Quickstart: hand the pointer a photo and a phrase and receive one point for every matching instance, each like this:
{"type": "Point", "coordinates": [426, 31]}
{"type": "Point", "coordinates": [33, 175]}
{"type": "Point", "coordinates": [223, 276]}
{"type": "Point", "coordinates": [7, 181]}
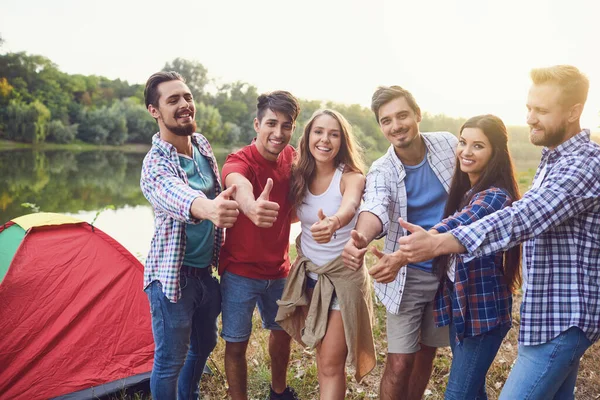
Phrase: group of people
{"type": "Point", "coordinates": [453, 221]}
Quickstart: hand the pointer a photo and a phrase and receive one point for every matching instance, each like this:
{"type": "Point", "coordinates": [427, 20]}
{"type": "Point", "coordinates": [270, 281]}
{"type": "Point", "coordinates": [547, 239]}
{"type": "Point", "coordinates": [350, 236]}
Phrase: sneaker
{"type": "Point", "coordinates": [287, 394]}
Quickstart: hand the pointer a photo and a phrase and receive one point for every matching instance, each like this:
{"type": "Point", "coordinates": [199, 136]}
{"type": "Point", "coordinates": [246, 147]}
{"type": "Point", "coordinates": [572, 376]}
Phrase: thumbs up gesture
{"type": "Point", "coordinates": [224, 210]}
{"type": "Point", "coordinates": [263, 212]}
{"type": "Point", "coordinates": [354, 250]}
{"type": "Point", "coordinates": [387, 267]}
{"type": "Point", "coordinates": [325, 227]}
{"type": "Point", "coordinates": [419, 245]}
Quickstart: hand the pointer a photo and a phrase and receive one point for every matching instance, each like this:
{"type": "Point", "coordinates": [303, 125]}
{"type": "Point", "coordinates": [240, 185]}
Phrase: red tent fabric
{"type": "Point", "coordinates": [73, 315]}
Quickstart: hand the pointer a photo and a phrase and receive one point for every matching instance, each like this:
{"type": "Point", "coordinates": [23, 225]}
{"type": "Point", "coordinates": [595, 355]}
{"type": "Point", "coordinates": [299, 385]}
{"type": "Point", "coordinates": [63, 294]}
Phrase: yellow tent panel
{"type": "Point", "coordinates": [42, 219]}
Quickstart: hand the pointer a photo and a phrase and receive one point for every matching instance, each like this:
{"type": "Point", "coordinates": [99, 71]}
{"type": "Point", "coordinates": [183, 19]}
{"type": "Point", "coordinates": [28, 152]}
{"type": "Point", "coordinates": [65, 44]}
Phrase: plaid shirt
{"type": "Point", "coordinates": [559, 221]}
{"type": "Point", "coordinates": [385, 197]}
{"type": "Point", "coordinates": [482, 299]}
{"type": "Point", "coordinates": [165, 185]}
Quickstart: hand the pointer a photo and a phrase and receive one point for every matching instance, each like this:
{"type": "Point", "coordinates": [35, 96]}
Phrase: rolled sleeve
{"type": "Point", "coordinates": [167, 192]}
{"type": "Point", "coordinates": [377, 197]}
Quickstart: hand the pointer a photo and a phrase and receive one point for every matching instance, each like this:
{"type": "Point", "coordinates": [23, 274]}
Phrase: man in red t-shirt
{"type": "Point", "coordinates": [254, 259]}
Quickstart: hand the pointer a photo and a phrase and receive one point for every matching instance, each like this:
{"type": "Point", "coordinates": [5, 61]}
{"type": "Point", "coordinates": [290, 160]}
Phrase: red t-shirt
{"type": "Point", "coordinates": [250, 251]}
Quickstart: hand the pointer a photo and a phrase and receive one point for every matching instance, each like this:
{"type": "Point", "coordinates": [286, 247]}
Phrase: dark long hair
{"type": "Point", "coordinates": [304, 166]}
{"type": "Point", "coordinates": [498, 172]}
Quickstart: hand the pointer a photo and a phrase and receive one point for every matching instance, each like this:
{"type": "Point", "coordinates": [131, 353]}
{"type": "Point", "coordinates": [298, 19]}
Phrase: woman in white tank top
{"type": "Point", "coordinates": [327, 186]}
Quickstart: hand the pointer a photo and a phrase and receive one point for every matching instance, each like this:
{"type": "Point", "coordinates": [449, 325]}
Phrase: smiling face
{"type": "Point", "coordinates": [546, 117]}
{"type": "Point", "coordinates": [474, 152]}
{"type": "Point", "coordinates": [273, 133]}
{"type": "Point", "coordinates": [175, 111]}
{"type": "Point", "coordinates": [399, 123]}
{"type": "Point", "coordinates": [325, 139]}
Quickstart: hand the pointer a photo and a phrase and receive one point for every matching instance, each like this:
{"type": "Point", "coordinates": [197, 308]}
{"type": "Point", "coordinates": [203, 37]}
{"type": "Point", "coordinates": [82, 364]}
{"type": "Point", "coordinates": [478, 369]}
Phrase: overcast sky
{"type": "Point", "coordinates": [461, 58]}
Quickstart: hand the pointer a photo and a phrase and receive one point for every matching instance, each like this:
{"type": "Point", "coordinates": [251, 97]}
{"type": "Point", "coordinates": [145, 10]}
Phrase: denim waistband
{"type": "Point", "coordinates": [197, 272]}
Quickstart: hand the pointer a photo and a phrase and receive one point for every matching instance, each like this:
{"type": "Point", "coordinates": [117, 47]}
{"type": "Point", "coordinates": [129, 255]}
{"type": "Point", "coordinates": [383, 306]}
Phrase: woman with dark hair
{"type": "Point", "coordinates": [475, 295]}
{"type": "Point", "coordinates": [324, 304]}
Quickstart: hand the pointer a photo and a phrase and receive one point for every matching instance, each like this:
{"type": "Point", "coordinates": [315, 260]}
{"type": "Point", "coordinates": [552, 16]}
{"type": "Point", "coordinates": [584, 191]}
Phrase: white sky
{"type": "Point", "coordinates": [458, 57]}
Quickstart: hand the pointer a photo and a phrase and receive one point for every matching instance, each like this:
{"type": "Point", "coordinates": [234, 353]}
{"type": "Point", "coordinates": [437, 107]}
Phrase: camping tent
{"type": "Point", "coordinates": [74, 321]}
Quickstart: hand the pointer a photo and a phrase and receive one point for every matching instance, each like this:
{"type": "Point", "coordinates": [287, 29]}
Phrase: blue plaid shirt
{"type": "Point", "coordinates": [559, 221]}
{"type": "Point", "coordinates": [165, 185]}
{"type": "Point", "coordinates": [482, 299]}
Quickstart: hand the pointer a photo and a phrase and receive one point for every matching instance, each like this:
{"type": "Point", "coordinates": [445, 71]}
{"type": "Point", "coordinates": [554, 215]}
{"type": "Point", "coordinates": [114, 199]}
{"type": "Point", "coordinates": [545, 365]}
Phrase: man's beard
{"type": "Point", "coordinates": [550, 138]}
{"type": "Point", "coordinates": [183, 130]}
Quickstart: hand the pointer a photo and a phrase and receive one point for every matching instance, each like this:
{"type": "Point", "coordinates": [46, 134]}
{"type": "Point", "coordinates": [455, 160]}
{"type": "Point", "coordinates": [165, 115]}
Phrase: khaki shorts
{"type": "Point", "coordinates": [415, 323]}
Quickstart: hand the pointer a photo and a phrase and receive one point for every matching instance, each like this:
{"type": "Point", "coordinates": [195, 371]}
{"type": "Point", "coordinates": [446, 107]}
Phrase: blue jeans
{"type": "Point", "coordinates": [471, 360]}
{"type": "Point", "coordinates": [185, 333]}
{"type": "Point", "coordinates": [549, 370]}
{"type": "Point", "coordinates": [240, 297]}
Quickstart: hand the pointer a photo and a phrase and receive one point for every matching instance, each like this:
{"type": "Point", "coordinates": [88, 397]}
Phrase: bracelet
{"type": "Point", "coordinates": [339, 221]}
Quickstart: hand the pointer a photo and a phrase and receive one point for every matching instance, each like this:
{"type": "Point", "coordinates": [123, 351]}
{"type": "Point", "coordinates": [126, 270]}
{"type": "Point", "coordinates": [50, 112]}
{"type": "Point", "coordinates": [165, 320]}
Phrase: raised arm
{"type": "Point", "coordinates": [168, 194]}
{"type": "Point", "coordinates": [568, 190]}
{"type": "Point", "coordinates": [260, 210]}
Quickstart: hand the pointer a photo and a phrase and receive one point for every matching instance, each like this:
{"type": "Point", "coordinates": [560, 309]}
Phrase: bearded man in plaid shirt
{"type": "Point", "coordinates": [558, 221]}
{"type": "Point", "coordinates": [181, 180]}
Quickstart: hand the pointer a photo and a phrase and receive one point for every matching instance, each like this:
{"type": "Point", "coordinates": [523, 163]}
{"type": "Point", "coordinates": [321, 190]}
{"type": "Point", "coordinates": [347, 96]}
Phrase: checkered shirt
{"type": "Point", "coordinates": [559, 221]}
{"type": "Point", "coordinates": [165, 185]}
{"type": "Point", "coordinates": [482, 299]}
{"type": "Point", "coordinates": [385, 197]}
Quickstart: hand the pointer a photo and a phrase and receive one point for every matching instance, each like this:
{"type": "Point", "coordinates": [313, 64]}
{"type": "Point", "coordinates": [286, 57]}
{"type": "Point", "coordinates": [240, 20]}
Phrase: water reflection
{"type": "Point", "coordinates": [68, 182]}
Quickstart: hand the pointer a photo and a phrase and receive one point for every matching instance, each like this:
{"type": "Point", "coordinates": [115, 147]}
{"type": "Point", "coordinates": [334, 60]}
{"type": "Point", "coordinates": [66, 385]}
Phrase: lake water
{"type": "Point", "coordinates": [80, 184]}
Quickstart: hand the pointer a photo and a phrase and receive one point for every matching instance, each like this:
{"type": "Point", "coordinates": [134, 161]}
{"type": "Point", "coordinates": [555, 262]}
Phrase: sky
{"type": "Point", "coordinates": [458, 57]}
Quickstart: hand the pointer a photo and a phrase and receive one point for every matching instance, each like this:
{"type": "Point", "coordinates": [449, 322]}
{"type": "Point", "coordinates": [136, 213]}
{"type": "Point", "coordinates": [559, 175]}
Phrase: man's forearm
{"type": "Point", "coordinates": [446, 243]}
{"type": "Point", "coordinates": [369, 225]}
{"type": "Point", "coordinates": [244, 194]}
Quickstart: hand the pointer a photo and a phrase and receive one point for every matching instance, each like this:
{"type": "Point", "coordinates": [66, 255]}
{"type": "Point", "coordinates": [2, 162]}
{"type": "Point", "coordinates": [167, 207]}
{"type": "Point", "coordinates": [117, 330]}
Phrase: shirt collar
{"type": "Point", "coordinates": [569, 146]}
{"type": "Point", "coordinates": [168, 148]}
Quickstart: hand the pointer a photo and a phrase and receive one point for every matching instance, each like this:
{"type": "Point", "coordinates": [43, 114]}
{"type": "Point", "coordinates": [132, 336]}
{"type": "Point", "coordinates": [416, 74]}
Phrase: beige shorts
{"type": "Point", "coordinates": [415, 323]}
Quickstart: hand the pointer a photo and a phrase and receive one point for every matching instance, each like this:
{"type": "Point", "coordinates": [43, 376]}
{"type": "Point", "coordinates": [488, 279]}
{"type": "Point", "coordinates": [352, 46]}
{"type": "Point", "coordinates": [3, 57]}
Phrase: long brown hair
{"type": "Point", "coordinates": [498, 172]}
{"type": "Point", "coordinates": [304, 166]}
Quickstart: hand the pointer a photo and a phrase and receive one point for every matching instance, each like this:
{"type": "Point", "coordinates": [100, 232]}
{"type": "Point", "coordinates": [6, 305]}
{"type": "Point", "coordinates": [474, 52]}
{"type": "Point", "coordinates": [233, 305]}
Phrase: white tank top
{"type": "Point", "coordinates": [329, 201]}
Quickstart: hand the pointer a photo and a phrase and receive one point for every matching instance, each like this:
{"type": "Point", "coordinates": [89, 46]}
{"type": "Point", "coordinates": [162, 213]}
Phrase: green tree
{"type": "Point", "coordinates": [140, 124]}
{"type": "Point", "coordinates": [116, 124]}
{"type": "Point", "coordinates": [92, 128]}
{"type": "Point", "coordinates": [26, 122]}
{"type": "Point", "coordinates": [60, 133]}
{"type": "Point", "coordinates": [208, 120]}
{"type": "Point", "coordinates": [237, 104]}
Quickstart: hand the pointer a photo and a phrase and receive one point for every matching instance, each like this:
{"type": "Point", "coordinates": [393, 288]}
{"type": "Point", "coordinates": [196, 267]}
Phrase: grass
{"type": "Point", "coordinates": [302, 373]}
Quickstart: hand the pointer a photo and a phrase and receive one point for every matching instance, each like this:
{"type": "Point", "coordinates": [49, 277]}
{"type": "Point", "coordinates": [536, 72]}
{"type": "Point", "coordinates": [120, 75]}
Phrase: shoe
{"type": "Point", "coordinates": [287, 394]}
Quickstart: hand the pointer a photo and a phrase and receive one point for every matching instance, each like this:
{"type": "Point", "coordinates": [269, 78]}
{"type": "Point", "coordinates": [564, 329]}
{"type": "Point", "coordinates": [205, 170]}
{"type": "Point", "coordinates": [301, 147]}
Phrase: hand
{"type": "Point", "coordinates": [387, 267]}
{"type": "Point", "coordinates": [224, 211]}
{"type": "Point", "coordinates": [420, 245]}
{"type": "Point", "coordinates": [263, 213]}
{"type": "Point", "coordinates": [324, 228]}
{"type": "Point", "coordinates": [354, 251]}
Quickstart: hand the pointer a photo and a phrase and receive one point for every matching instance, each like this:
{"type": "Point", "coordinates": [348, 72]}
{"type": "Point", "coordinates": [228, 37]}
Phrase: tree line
{"type": "Point", "coordinates": [40, 103]}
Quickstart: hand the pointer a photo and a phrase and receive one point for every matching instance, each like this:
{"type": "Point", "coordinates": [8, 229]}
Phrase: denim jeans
{"type": "Point", "coordinates": [471, 360]}
{"type": "Point", "coordinates": [240, 297]}
{"type": "Point", "coordinates": [549, 370]}
{"type": "Point", "coordinates": [185, 333]}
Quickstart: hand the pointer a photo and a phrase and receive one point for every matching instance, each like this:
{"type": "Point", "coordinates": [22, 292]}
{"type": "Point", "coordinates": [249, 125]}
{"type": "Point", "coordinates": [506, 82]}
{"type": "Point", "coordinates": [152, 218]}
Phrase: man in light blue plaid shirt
{"type": "Point", "coordinates": [410, 181]}
{"type": "Point", "coordinates": [181, 180]}
{"type": "Point", "coordinates": [558, 221]}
